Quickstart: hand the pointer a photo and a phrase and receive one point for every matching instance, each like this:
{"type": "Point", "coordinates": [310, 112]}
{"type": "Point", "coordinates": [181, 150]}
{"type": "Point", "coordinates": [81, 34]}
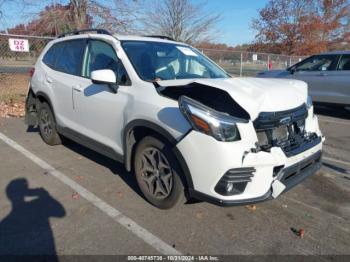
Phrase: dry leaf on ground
{"type": "Point", "coordinates": [251, 207]}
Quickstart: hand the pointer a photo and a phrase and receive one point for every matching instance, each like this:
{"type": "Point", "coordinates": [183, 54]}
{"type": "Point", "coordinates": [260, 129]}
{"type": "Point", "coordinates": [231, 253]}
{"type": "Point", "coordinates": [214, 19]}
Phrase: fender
{"type": "Point", "coordinates": [46, 97]}
{"type": "Point", "coordinates": [32, 106]}
{"type": "Point", "coordinates": [129, 141]}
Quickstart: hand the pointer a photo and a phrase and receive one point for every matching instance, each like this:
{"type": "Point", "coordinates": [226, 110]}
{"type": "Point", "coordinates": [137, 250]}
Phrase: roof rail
{"type": "Point", "coordinates": [160, 36]}
{"type": "Point", "coordinates": [78, 32]}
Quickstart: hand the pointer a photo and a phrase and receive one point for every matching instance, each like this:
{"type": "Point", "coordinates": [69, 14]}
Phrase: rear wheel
{"type": "Point", "coordinates": [158, 174]}
{"type": "Point", "coordinates": [47, 125]}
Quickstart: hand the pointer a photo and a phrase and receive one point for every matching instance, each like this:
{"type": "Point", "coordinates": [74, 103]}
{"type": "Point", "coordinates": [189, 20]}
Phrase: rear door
{"type": "Point", "coordinates": [64, 75]}
{"type": "Point", "coordinates": [317, 72]}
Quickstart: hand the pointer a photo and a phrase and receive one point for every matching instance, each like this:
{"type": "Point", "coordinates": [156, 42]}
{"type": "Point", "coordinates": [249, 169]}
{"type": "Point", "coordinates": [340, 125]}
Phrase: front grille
{"type": "Point", "coordinates": [284, 129]}
{"type": "Point", "coordinates": [270, 120]}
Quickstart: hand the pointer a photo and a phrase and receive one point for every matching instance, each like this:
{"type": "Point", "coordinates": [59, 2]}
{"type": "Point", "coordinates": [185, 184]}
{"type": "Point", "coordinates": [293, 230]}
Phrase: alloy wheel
{"type": "Point", "coordinates": [156, 173]}
{"type": "Point", "coordinates": [46, 124]}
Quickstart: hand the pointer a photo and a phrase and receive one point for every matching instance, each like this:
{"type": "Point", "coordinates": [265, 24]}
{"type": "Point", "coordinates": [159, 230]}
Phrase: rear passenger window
{"type": "Point", "coordinates": [70, 59]}
{"type": "Point", "coordinates": [344, 63]}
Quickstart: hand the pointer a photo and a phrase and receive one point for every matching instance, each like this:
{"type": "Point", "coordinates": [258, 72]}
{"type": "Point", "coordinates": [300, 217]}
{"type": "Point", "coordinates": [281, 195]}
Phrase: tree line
{"type": "Point", "coordinates": [290, 27]}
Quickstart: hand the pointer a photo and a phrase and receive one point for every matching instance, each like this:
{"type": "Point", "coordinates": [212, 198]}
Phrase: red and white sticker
{"type": "Point", "coordinates": [19, 45]}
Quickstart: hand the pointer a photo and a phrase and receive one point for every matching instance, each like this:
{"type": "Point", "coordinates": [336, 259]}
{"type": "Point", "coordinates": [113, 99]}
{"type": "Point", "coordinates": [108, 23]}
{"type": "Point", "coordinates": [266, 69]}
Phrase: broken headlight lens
{"type": "Point", "coordinates": [204, 119]}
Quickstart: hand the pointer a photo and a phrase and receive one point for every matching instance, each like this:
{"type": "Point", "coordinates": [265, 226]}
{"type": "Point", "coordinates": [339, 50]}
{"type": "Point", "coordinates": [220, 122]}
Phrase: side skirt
{"type": "Point", "coordinates": [90, 143]}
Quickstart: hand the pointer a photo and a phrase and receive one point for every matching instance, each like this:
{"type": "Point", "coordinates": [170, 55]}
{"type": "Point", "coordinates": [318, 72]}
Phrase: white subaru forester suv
{"type": "Point", "coordinates": [177, 121]}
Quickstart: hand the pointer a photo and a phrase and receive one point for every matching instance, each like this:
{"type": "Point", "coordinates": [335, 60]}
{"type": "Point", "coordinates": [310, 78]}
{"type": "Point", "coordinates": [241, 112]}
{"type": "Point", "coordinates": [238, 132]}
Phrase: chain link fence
{"type": "Point", "coordinates": [241, 63]}
{"type": "Point", "coordinates": [15, 66]}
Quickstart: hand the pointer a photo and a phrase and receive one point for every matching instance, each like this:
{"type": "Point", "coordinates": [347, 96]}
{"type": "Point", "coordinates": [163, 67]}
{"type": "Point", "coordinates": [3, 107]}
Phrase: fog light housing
{"type": "Point", "coordinates": [229, 187]}
{"type": "Point", "coordinates": [234, 181]}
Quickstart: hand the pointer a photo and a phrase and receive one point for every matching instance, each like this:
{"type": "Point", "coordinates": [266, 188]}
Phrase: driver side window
{"type": "Point", "coordinates": [100, 55]}
{"type": "Point", "coordinates": [317, 63]}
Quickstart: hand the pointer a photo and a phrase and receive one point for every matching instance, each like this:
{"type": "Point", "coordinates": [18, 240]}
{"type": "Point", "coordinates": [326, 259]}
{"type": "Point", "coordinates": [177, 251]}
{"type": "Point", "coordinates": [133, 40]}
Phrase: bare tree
{"type": "Point", "coordinates": [181, 20]}
{"type": "Point", "coordinates": [80, 13]}
{"type": "Point", "coordinates": [119, 16]}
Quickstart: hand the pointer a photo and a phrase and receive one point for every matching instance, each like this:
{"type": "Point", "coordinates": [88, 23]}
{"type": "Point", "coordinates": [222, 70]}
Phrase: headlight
{"type": "Point", "coordinates": [204, 119]}
{"type": "Point", "coordinates": [309, 102]}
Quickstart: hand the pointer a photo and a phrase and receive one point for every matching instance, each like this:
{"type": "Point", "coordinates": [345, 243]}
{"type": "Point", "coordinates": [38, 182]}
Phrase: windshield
{"type": "Point", "coordinates": [164, 61]}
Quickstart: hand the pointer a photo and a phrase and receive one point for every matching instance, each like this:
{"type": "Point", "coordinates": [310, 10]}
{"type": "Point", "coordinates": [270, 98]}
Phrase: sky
{"type": "Point", "coordinates": [236, 18]}
{"type": "Point", "coordinates": [234, 25]}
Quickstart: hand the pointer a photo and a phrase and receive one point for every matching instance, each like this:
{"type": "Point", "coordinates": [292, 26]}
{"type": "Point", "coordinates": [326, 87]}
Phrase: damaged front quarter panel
{"type": "Point", "coordinates": [212, 97]}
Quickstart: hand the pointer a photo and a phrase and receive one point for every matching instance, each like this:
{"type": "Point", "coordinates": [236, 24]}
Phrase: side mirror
{"type": "Point", "coordinates": [105, 76]}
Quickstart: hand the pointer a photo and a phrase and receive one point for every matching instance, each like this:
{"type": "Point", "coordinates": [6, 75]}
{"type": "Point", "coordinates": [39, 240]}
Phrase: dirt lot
{"type": "Point", "coordinates": [13, 90]}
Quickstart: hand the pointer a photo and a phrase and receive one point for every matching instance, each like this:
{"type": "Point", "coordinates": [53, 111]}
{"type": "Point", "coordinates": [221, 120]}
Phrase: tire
{"type": "Point", "coordinates": [47, 125]}
{"type": "Point", "coordinates": [158, 173]}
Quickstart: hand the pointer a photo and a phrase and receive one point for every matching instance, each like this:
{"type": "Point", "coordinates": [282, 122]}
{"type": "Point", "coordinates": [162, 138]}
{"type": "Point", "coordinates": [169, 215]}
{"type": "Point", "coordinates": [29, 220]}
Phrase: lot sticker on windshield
{"type": "Point", "coordinates": [186, 51]}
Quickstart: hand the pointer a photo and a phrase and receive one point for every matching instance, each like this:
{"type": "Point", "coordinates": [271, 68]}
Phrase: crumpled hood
{"type": "Point", "coordinates": [256, 95]}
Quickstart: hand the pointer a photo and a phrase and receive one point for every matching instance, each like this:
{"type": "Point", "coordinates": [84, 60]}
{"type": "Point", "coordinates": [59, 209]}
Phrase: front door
{"type": "Point", "coordinates": [99, 112]}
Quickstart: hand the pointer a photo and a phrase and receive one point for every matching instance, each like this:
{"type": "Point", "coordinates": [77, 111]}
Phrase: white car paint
{"type": "Point", "coordinates": [89, 110]}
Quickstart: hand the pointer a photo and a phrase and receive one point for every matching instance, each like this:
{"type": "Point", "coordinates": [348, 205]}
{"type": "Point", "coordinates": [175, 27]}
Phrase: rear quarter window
{"type": "Point", "coordinates": [51, 55]}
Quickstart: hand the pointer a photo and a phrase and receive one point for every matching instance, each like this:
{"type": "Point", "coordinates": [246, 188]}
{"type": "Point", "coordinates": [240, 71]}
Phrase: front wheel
{"type": "Point", "coordinates": [158, 174]}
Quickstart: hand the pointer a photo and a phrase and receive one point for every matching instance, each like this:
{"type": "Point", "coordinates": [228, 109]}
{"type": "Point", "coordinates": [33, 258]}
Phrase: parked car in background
{"type": "Point", "coordinates": [327, 75]}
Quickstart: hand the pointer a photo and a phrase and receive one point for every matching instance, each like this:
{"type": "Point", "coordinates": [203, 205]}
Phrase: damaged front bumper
{"type": "Point", "coordinates": [265, 174]}
{"type": "Point", "coordinates": [290, 177]}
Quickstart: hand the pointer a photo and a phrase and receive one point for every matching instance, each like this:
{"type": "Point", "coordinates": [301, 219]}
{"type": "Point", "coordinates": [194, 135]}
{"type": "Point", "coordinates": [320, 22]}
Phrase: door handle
{"type": "Point", "coordinates": [77, 88]}
{"type": "Point", "coordinates": [323, 74]}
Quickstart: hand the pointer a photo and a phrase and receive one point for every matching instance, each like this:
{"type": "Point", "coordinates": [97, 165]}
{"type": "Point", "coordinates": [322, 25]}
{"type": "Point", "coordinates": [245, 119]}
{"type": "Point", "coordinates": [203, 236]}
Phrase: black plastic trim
{"type": "Point", "coordinates": [216, 201]}
{"type": "Point", "coordinates": [161, 37]}
{"type": "Point", "coordinates": [46, 97]}
{"type": "Point", "coordinates": [78, 32]}
{"type": "Point", "coordinates": [270, 120]}
{"type": "Point", "coordinates": [90, 143]}
{"type": "Point", "coordinates": [301, 171]}
{"type": "Point", "coordinates": [239, 177]}
{"type": "Point", "coordinates": [304, 147]}
{"type": "Point", "coordinates": [160, 130]}
{"type": "Point", "coordinates": [31, 114]}
{"type": "Point", "coordinates": [148, 124]}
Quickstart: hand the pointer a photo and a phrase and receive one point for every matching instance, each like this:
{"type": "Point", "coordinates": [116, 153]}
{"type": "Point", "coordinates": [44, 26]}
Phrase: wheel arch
{"type": "Point", "coordinates": [42, 97]}
{"type": "Point", "coordinates": [139, 128]}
